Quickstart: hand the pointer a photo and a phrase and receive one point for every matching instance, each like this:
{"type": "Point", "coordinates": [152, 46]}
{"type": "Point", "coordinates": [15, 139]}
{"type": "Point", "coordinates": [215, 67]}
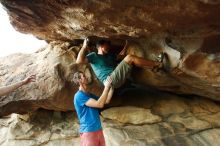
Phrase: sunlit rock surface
{"type": "Point", "coordinates": [54, 67]}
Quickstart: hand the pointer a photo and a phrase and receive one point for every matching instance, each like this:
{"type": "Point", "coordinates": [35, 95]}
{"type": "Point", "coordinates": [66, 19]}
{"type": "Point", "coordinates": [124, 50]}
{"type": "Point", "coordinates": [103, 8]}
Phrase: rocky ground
{"type": "Point", "coordinates": [147, 118]}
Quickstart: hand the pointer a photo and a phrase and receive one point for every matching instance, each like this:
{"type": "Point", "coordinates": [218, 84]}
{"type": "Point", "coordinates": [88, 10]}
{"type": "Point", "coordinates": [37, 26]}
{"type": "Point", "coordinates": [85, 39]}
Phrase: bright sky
{"type": "Point", "coordinates": [12, 41]}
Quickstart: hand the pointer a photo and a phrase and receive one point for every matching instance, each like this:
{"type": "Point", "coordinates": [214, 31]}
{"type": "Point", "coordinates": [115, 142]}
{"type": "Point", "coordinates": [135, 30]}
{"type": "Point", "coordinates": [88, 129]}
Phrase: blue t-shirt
{"type": "Point", "coordinates": [102, 65]}
{"type": "Point", "coordinates": [88, 116]}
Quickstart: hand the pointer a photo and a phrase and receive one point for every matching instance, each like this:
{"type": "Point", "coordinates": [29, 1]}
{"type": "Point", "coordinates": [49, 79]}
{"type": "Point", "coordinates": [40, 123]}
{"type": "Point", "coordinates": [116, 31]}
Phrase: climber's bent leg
{"type": "Point", "coordinates": [120, 74]}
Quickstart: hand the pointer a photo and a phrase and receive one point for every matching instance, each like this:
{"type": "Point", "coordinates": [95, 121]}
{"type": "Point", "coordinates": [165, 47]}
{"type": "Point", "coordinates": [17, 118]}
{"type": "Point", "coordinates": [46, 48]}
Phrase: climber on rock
{"type": "Point", "coordinates": [8, 89]}
{"type": "Point", "coordinates": [104, 63]}
{"type": "Point", "coordinates": [87, 105]}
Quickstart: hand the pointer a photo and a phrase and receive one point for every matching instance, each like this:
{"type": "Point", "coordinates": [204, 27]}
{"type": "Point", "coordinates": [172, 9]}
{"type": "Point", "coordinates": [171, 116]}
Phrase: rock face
{"type": "Point", "coordinates": [54, 67]}
{"type": "Point", "coordinates": [188, 31]}
{"type": "Point", "coordinates": [68, 20]}
{"type": "Point", "coordinates": [132, 115]}
{"type": "Point", "coordinates": [55, 64]}
{"type": "Point", "coordinates": [195, 122]}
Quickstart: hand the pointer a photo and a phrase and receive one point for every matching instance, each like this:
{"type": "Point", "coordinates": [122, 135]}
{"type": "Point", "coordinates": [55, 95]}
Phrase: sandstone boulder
{"type": "Point", "coordinates": [132, 115]}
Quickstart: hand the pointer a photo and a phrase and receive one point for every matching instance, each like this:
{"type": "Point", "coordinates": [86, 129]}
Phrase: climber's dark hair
{"type": "Point", "coordinates": [102, 42]}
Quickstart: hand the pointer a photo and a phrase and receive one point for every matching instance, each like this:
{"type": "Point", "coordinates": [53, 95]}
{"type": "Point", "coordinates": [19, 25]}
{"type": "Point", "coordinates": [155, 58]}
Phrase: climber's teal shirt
{"type": "Point", "coordinates": [102, 65]}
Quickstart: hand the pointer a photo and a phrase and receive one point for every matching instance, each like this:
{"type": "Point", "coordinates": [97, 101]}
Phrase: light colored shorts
{"type": "Point", "coordinates": [120, 74]}
{"type": "Point", "coordinates": [92, 138]}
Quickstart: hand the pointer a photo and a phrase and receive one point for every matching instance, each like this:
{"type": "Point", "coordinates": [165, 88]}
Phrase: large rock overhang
{"type": "Point", "coordinates": [188, 31]}
{"type": "Point", "coordinates": [74, 19]}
